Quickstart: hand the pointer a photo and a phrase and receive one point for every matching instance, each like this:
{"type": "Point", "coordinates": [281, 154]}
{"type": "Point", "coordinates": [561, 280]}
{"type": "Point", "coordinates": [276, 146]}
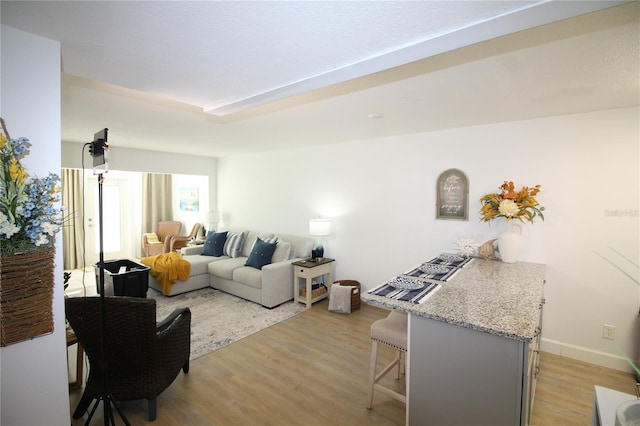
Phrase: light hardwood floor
{"type": "Point", "coordinates": [312, 369]}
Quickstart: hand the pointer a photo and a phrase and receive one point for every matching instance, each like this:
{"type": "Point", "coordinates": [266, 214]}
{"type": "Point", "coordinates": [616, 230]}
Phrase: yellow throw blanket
{"type": "Point", "coordinates": [167, 268]}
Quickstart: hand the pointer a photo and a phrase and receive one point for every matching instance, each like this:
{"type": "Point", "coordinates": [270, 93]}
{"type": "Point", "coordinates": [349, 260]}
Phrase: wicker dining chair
{"type": "Point", "coordinates": [142, 357]}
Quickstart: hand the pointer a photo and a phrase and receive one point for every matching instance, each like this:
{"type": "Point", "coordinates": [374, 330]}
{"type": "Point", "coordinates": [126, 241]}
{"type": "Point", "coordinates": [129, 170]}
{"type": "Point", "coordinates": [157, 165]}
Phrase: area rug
{"type": "Point", "coordinates": [219, 319]}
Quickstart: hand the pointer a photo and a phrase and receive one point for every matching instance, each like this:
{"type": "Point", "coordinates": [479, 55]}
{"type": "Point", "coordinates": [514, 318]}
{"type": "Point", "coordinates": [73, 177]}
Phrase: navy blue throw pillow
{"type": "Point", "coordinates": [214, 244]}
{"type": "Point", "coordinates": [261, 254]}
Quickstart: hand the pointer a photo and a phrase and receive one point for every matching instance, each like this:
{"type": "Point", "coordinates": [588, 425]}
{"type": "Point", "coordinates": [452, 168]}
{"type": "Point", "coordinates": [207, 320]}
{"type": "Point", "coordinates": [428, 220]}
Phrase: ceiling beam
{"type": "Point", "coordinates": [529, 16]}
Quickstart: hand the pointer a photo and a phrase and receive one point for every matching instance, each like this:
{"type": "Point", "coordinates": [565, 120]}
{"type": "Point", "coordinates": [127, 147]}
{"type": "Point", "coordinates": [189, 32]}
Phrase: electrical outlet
{"type": "Point", "coordinates": [608, 332]}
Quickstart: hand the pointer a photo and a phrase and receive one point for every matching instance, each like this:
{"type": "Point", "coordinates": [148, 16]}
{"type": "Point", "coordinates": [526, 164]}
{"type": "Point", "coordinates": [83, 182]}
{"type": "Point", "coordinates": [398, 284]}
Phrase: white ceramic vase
{"type": "Point", "coordinates": [509, 243]}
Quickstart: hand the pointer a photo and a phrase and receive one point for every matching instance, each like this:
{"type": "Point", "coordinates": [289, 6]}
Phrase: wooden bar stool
{"type": "Point", "coordinates": [390, 331]}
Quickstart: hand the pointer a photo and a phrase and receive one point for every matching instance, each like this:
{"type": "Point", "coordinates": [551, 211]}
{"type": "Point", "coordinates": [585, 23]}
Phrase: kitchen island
{"type": "Point", "coordinates": [473, 345]}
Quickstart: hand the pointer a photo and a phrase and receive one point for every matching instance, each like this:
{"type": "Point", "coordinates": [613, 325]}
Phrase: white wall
{"type": "Point", "coordinates": [34, 389]}
{"type": "Point", "coordinates": [380, 195]}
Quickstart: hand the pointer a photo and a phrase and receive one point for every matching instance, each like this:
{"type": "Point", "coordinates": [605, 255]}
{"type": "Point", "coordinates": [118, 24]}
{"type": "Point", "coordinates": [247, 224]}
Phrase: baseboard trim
{"type": "Point", "coordinates": [603, 359]}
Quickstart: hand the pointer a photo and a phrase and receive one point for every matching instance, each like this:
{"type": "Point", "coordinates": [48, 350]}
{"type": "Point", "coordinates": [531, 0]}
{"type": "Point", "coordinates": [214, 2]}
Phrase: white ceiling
{"type": "Point", "coordinates": [223, 78]}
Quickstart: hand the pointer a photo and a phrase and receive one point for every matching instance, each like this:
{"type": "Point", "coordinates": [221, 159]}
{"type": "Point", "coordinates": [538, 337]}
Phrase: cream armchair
{"type": "Point", "coordinates": [160, 241]}
{"type": "Point", "coordinates": [179, 241]}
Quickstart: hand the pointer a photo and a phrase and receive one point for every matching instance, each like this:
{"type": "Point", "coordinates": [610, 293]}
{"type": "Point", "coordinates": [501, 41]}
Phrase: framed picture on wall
{"type": "Point", "coordinates": [189, 199]}
{"type": "Point", "coordinates": [452, 193]}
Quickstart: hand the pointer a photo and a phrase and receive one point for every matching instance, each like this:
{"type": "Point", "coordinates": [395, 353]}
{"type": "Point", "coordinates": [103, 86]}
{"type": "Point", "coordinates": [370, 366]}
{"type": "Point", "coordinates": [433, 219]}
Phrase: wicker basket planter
{"type": "Point", "coordinates": [26, 295]}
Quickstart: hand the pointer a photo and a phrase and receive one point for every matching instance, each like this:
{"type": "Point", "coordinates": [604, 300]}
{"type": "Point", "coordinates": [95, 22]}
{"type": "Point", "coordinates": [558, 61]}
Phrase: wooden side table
{"type": "Point", "coordinates": [310, 269]}
{"type": "Point", "coordinates": [72, 340]}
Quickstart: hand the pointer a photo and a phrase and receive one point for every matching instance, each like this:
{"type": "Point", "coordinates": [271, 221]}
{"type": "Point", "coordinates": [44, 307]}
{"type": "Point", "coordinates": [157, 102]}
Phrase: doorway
{"type": "Point", "coordinates": [116, 218]}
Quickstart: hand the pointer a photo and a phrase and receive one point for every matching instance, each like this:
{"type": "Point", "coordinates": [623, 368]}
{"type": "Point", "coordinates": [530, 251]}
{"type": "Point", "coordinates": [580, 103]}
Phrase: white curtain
{"type": "Point", "coordinates": [73, 237]}
{"type": "Point", "coordinates": [157, 200]}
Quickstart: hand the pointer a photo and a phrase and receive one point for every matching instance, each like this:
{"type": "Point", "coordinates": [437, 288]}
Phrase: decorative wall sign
{"type": "Point", "coordinates": [452, 191]}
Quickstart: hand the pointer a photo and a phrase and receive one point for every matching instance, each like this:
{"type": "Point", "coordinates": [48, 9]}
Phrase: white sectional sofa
{"type": "Point", "coordinates": [270, 286]}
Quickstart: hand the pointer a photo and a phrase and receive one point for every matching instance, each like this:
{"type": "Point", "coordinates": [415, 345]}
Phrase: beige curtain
{"type": "Point", "coordinates": [157, 202]}
{"type": "Point", "coordinates": [73, 230]}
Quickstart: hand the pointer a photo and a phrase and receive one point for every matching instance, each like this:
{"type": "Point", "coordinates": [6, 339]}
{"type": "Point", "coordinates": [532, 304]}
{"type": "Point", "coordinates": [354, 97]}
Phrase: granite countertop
{"type": "Point", "coordinates": [488, 296]}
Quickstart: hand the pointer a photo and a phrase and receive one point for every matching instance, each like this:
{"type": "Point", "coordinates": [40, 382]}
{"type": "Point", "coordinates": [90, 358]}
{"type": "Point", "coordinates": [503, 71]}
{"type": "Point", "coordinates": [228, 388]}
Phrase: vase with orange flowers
{"type": "Point", "coordinates": [508, 203]}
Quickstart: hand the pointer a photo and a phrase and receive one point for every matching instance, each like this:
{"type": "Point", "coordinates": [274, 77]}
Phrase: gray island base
{"type": "Point", "coordinates": [473, 346]}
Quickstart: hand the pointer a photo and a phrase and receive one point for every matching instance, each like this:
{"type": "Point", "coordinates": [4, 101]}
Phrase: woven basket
{"type": "Point", "coordinates": [26, 295]}
{"type": "Point", "coordinates": [355, 293]}
{"type": "Point", "coordinates": [314, 293]}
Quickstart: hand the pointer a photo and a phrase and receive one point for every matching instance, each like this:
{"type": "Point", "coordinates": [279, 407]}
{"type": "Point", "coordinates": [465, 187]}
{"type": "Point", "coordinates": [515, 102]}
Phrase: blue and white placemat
{"type": "Point", "coordinates": [414, 296]}
{"type": "Point", "coordinates": [430, 271]}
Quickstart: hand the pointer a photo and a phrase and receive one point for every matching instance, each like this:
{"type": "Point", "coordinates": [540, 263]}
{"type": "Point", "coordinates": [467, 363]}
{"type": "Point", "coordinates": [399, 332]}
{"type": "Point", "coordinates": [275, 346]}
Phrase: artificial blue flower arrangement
{"type": "Point", "coordinates": [29, 217]}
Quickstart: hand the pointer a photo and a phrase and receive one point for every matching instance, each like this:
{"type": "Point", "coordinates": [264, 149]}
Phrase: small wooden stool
{"type": "Point", "coordinates": [390, 331]}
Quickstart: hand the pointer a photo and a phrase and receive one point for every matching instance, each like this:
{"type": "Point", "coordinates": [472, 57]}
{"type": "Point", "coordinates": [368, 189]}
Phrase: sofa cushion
{"type": "Point", "coordinates": [282, 252]}
{"type": "Point", "coordinates": [224, 268]}
{"type": "Point", "coordinates": [300, 246]}
{"type": "Point", "coordinates": [233, 245]}
{"type": "Point", "coordinates": [250, 240]}
{"type": "Point", "coordinates": [261, 254]}
{"type": "Point", "coordinates": [199, 264]}
{"type": "Point", "coordinates": [214, 244]}
{"type": "Point", "coordinates": [248, 275]}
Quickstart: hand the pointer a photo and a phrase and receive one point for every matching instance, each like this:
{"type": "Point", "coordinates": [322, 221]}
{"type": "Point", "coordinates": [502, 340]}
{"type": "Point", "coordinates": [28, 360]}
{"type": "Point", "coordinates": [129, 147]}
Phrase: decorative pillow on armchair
{"type": "Point", "coordinates": [261, 254]}
{"type": "Point", "coordinates": [214, 244]}
{"type": "Point", "coordinates": [151, 237]}
{"type": "Point", "coordinates": [233, 245]}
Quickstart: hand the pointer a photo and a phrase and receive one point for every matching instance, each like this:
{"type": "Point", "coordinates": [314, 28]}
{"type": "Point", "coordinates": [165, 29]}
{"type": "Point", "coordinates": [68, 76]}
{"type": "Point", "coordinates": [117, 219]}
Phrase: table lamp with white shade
{"type": "Point", "coordinates": [319, 228]}
{"type": "Point", "coordinates": [212, 218]}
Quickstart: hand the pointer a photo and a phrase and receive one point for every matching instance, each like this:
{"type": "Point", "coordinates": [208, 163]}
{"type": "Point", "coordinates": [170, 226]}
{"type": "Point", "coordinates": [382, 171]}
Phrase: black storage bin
{"type": "Point", "coordinates": [133, 281]}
